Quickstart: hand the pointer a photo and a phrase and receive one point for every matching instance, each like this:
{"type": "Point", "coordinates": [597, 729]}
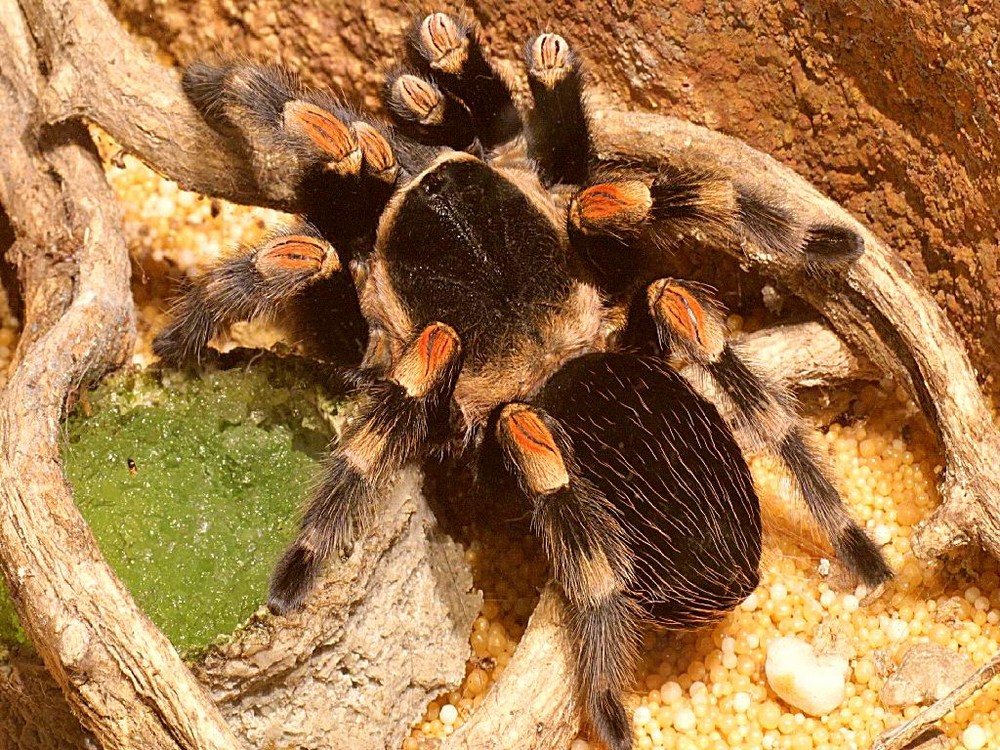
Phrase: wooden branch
{"type": "Point", "coordinates": [384, 634]}
{"type": "Point", "coordinates": [99, 74]}
{"type": "Point", "coordinates": [532, 706]}
{"type": "Point", "coordinates": [899, 738]}
{"type": "Point", "coordinates": [877, 306]}
{"type": "Point", "coordinates": [123, 679]}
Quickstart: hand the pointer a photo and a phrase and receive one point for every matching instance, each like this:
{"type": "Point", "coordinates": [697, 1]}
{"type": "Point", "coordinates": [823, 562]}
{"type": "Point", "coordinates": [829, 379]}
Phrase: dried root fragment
{"type": "Point", "coordinates": [900, 737]}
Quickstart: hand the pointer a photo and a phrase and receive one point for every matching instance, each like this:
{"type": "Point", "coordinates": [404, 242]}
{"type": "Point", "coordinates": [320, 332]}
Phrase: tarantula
{"type": "Point", "coordinates": [510, 289]}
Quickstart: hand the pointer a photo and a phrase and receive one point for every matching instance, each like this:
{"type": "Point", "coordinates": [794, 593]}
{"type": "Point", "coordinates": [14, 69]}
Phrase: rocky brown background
{"type": "Point", "coordinates": [893, 109]}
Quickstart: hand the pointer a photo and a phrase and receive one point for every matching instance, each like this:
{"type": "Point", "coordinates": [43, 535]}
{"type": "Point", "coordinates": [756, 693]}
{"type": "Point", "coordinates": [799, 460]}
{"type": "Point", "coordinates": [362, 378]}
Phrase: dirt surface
{"type": "Point", "coordinates": [891, 109]}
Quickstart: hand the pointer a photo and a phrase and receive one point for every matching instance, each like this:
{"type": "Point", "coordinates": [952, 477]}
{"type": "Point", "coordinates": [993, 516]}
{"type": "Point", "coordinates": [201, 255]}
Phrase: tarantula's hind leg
{"type": "Point", "coordinates": [396, 417]}
{"type": "Point", "coordinates": [448, 51]}
{"type": "Point", "coordinates": [253, 283]}
{"type": "Point", "coordinates": [591, 559]}
{"type": "Point", "coordinates": [691, 323]}
{"type": "Point", "coordinates": [558, 129]}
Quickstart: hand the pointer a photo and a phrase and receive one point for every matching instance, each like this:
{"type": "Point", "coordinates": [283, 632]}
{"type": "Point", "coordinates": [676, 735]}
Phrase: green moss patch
{"type": "Point", "coordinates": [191, 486]}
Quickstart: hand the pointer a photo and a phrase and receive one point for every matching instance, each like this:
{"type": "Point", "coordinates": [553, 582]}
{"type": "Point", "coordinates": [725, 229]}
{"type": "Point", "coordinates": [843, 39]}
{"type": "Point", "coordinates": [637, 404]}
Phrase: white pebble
{"type": "Point", "coordinates": [579, 744]}
{"type": "Point", "coordinates": [728, 645]}
{"type": "Point", "coordinates": [896, 629]}
{"type": "Point", "coordinates": [851, 603]}
{"type": "Point", "coordinates": [750, 603]}
{"type": "Point", "coordinates": [684, 719]}
{"type": "Point", "coordinates": [813, 684]}
{"type": "Point", "coordinates": [741, 702]}
{"type": "Point", "coordinates": [778, 592]}
{"type": "Point", "coordinates": [449, 714]}
{"type": "Point", "coordinates": [974, 737]}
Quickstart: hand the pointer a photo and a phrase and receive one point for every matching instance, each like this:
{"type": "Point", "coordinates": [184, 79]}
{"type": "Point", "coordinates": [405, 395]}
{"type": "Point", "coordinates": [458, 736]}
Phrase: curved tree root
{"type": "Point", "coordinates": [123, 678]}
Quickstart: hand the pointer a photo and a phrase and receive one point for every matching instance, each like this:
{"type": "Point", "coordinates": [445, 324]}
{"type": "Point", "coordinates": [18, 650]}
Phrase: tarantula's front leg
{"type": "Point", "coordinates": [397, 416]}
{"type": "Point", "coordinates": [591, 559]}
{"type": "Point", "coordinates": [309, 152]}
{"type": "Point", "coordinates": [448, 50]}
{"type": "Point", "coordinates": [558, 130]}
{"type": "Point", "coordinates": [256, 282]}
{"type": "Point", "coordinates": [691, 323]}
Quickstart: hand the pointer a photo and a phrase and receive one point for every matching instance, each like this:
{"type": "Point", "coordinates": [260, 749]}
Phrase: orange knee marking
{"type": "Point", "coordinates": [325, 130]}
{"type": "Point", "coordinates": [437, 346]}
{"type": "Point", "coordinates": [377, 152]}
{"type": "Point", "coordinates": [612, 204]}
{"type": "Point", "coordinates": [426, 360]}
{"type": "Point", "coordinates": [678, 308]}
{"type": "Point", "coordinates": [298, 252]}
{"type": "Point", "coordinates": [534, 448]}
{"type": "Point", "coordinates": [531, 434]}
{"type": "Point", "coordinates": [420, 97]}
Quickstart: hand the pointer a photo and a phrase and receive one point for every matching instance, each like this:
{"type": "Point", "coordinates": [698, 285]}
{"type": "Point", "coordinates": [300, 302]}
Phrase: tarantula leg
{"type": "Point", "coordinates": [625, 222]}
{"type": "Point", "coordinates": [254, 283]}
{"type": "Point", "coordinates": [590, 557]}
{"type": "Point", "coordinates": [426, 113]}
{"type": "Point", "coordinates": [448, 50]}
{"type": "Point", "coordinates": [396, 418]}
{"type": "Point", "coordinates": [558, 128]}
{"type": "Point", "coordinates": [690, 322]}
{"type": "Point", "coordinates": [308, 151]}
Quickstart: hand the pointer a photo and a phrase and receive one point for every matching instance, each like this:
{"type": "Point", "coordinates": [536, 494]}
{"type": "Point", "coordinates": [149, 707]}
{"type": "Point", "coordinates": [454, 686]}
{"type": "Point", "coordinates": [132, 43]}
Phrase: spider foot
{"type": "Point", "coordinates": [447, 51]}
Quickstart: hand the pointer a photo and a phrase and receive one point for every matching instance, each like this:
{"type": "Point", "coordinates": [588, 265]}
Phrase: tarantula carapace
{"type": "Point", "coordinates": [509, 285]}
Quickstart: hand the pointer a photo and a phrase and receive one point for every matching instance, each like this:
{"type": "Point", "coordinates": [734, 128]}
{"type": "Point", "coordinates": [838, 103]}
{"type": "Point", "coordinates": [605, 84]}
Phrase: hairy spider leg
{"type": "Point", "coordinates": [448, 51]}
{"type": "Point", "coordinates": [397, 416]}
{"type": "Point", "coordinates": [310, 153]}
{"type": "Point", "coordinates": [558, 132]}
{"type": "Point", "coordinates": [591, 560]}
{"type": "Point", "coordinates": [278, 279]}
{"type": "Point", "coordinates": [624, 222]}
{"type": "Point", "coordinates": [690, 322]}
{"type": "Point", "coordinates": [645, 506]}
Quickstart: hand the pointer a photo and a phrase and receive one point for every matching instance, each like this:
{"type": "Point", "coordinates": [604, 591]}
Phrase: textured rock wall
{"type": "Point", "coordinates": [890, 108]}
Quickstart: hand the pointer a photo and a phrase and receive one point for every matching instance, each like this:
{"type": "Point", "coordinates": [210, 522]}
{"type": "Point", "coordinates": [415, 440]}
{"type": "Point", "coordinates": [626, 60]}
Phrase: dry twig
{"type": "Point", "coordinates": [898, 738]}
